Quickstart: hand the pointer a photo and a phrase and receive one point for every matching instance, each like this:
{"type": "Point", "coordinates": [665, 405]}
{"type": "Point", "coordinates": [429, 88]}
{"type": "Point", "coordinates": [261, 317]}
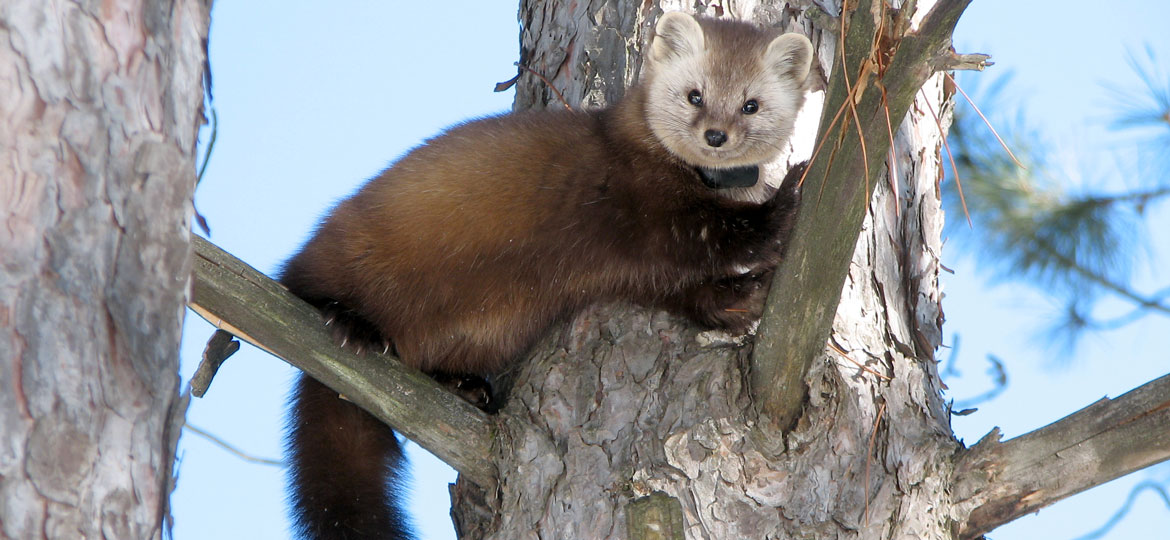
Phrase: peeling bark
{"type": "Point", "coordinates": [631, 404]}
{"type": "Point", "coordinates": [99, 110]}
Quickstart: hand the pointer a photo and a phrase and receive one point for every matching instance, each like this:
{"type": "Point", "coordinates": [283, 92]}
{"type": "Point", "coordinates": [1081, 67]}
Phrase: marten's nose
{"type": "Point", "coordinates": [715, 138]}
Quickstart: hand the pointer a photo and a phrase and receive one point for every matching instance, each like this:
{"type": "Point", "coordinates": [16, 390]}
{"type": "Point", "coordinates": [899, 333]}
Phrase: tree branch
{"type": "Point", "coordinates": [967, 62]}
{"type": "Point", "coordinates": [235, 297]}
{"type": "Point", "coordinates": [1104, 282]}
{"type": "Point", "coordinates": [1138, 198]}
{"type": "Point", "coordinates": [999, 482]}
{"type": "Point", "coordinates": [807, 288]}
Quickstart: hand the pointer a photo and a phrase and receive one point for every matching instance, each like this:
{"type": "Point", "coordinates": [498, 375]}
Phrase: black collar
{"type": "Point", "coordinates": [737, 177]}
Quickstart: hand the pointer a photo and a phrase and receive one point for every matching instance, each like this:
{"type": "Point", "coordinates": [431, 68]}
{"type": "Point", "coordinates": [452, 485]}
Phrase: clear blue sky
{"type": "Point", "coordinates": [313, 101]}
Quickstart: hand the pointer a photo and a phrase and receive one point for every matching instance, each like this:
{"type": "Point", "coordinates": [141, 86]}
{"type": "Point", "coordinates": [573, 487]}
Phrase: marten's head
{"type": "Point", "coordinates": [721, 93]}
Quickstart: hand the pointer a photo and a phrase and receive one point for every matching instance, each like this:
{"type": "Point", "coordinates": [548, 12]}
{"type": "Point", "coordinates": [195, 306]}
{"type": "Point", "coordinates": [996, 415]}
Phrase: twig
{"type": "Point", "coordinates": [221, 345]}
{"type": "Point", "coordinates": [892, 165]}
{"type": "Point", "coordinates": [849, 99]}
{"type": "Point", "coordinates": [869, 456]}
{"type": "Point", "coordinates": [965, 62]}
{"type": "Point", "coordinates": [863, 367]}
{"type": "Point", "coordinates": [224, 444]}
{"type": "Point", "coordinates": [951, 156]}
{"type": "Point", "coordinates": [199, 219]}
{"type": "Point", "coordinates": [1138, 198]}
{"type": "Point", "coordinates": [547, 83]}
{"type": "Point", "coordinates": [985, 121]}
{"type": "Point", "coordinates": [1116, 322]}
{"type": "Point", "coordinates": [210, 146]}
{"type": "Point", "coordinates": [1104, 282]}
{"type": "Point", "coordinates": [817, 150]}
{"type": "Point", "coordinates": [850, 90]}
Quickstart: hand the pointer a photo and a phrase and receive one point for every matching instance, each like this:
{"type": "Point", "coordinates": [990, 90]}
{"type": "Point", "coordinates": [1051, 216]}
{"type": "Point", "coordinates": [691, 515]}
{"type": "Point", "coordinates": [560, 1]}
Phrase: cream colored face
{"type": "Point", "coordinates": [723, 108]}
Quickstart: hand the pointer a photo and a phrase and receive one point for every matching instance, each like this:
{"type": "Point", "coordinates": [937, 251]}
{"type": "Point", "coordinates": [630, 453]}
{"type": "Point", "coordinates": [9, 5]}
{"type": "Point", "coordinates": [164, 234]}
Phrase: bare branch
{"type": "Point", "coordinates": [964, 62]}
{"type": "Point", "coordinates": [548, 83]}
{"type": "Point", "coordinates": [1104, 282]}
{"type": "Point", "coordinates": [1137, 198]}
{"type": "Point", "coordinates": [235, 297]}
{"type": "Point", "coordinates": [230, 448]}
{"type": "Point", "coordinates": [804, 297]}
{"type": "Point", "coordinates": [999, 482]}
{"type": "Point", "coordinates": [221, 345]}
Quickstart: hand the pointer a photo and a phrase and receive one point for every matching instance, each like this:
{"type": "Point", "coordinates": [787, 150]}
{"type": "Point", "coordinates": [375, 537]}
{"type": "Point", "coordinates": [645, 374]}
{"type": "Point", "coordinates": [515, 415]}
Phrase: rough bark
{"type": "Point", "coordinates": [635, 407]}
{"type": "Point", "coordinates": [100, 105]}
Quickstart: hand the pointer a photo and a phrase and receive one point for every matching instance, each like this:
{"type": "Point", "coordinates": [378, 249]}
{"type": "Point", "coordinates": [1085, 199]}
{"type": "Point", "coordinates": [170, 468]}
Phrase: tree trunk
{"type": "Point", "coordinates": [100, 105]}
{"type": "Point", "coordinates": [645, 428]}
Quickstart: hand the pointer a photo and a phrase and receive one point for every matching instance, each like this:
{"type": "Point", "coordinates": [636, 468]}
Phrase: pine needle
{"type": "Point", "coordinates": [985, 121]}
{"type": "Point", "coordinates": [947, 146]}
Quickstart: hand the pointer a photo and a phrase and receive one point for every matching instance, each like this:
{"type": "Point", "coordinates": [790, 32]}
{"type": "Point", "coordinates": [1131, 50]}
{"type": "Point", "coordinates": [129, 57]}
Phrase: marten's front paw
{"type": "Point", "coordinates": [475, 390]}
{"type": "Point", "coordinates": [352, 332]}
{"type": "Point", "coordinates": [793, 177]}
{"type": "Point", "coordinates": [732, 304]}
{"type": "Point", "coordinates": [785, 204]}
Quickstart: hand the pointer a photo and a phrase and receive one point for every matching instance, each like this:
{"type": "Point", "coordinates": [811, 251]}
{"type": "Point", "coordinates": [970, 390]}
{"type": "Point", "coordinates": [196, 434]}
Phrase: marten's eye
{"type": "Point", "coordinates": [696, 98]}
{"type": "Point", "coordinates": [750, 107]}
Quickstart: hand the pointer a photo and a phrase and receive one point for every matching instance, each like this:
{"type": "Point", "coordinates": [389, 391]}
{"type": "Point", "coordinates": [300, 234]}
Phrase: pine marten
{"type": "Point", "coordinates": [462, 254]}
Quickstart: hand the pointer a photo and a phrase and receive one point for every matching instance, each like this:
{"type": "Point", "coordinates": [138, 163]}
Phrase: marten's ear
{"type": "Point", "coordinates": [677, 34]}
{"type": "Point", "coordinates": [791, 56]}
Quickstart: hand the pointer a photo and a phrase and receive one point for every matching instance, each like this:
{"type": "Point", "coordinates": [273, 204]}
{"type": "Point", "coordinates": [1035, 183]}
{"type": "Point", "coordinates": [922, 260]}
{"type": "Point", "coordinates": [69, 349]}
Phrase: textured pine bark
{"type": "Point", "coordinates": [644, 427]}
{"type": "Point", "coordinates": [100, 105]}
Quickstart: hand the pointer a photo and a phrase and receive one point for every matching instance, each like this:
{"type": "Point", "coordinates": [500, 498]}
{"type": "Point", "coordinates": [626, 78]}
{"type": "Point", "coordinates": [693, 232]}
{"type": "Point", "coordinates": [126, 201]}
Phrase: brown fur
{"type": "Point", "coordinates": [473, 245]}
{"type": "Point", "coordinates": [464, 252]}
{"type": "Point", "coordinates": [346, 469]}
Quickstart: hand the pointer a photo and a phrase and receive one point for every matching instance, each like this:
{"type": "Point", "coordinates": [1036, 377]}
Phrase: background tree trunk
{"type": "Point", "coordinates": [100, 105]}
{"type": "Point", "coordinates": [645, 426]}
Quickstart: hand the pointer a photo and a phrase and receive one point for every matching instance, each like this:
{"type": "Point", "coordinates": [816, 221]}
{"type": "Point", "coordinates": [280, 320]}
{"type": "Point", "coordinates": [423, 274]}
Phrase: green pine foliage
{"type": "Point", "coordinates": [1050, 224]}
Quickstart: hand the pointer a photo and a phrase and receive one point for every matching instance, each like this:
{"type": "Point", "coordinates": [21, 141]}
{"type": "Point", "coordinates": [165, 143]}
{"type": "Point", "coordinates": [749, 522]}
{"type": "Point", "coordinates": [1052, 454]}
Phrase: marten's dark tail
{"type": "Point", "coordinates": [345, 468]}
